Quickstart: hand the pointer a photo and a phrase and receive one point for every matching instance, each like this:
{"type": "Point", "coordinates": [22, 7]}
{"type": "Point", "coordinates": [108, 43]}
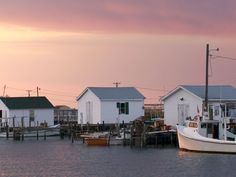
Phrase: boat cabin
{"type": "Point", "coordinates": [186, 101]}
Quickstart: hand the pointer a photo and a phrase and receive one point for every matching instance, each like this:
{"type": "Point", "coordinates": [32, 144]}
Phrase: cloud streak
{"type": "Point", "coordinates": [132, 16]}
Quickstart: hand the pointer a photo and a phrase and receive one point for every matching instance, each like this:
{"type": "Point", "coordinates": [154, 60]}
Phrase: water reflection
{"type": "Point", "coordinates": [55, 157]}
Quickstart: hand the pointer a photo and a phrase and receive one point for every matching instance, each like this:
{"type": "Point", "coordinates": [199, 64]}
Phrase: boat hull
{"type": "Point", "coordinates": [97, 141]}
{"type": "Point", "coordinates": [192, 141]}
{"type": "Point", "coordinates": [39, 133]}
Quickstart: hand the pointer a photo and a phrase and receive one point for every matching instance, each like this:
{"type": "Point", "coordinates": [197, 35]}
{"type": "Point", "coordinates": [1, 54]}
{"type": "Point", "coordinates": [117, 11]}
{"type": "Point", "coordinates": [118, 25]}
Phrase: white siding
{"type": "Point", "coordinates": [41, 115]}
{"type": "Point", "coordinates": [171, 106]}
{"type": "Point", "coordinates": [106, 111]}
{"type": "Point", "coordinates": [89, 98]}
{"type": "Point", "coordinates": [5, 111]}
{"type": "Point", "coordinates": [109, 112]}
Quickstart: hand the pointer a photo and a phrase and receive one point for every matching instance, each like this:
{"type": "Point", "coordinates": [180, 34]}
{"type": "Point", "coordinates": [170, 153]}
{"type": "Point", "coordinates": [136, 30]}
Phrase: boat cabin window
{"type": "Point", "coordinates": [192, 124]}
{"type": "Point", "coordinates": [203, 125]}
{"type": "Point", "coordinates": [217, 110]}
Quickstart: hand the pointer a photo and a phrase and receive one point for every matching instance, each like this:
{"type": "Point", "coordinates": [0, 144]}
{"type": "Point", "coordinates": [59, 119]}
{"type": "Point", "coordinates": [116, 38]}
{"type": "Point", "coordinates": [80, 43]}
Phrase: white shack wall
{"type": "Point", "coordinates": [109, 112]}
{"type": "Point", "coordinates": [171, 106]}
{"type": "Point", "coordinates": [5, 111]}
{"type": "Point", "coordinates": [40, 115]}
{"type": "Point", "coordinates": [95, 111]}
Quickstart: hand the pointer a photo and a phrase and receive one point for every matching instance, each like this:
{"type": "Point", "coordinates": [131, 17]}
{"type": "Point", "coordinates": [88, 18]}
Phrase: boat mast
{"type": "Point", "coordinates": [206, 84]}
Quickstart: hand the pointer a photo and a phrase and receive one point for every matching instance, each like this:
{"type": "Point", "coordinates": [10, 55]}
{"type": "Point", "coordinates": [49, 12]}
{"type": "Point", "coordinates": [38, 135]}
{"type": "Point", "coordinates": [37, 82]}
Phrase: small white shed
{"type": "Point", "coordinates": [30, 110]}
{"type": "Point", "coordinates": [187, 101]}
{"type": "Point", "coordinates": [110, 104]}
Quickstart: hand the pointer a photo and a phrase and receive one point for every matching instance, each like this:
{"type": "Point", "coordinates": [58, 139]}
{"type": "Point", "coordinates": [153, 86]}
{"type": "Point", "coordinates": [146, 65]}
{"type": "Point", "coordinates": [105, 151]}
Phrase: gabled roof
{"type": "Point", "coordinates": [114, 93]}
{"type": "Point", "coordinates": [27, 102]}
{"type": "Point", "coordinates": [215, 92]}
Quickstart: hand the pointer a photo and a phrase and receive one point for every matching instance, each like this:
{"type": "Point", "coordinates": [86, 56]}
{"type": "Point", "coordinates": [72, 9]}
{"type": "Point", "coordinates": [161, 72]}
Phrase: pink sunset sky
{"type": "Point", "coordinates": [64, 46]}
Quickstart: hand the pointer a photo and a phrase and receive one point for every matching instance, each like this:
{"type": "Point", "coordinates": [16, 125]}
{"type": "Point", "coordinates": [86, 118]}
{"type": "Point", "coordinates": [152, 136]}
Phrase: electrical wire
{"type": "Point", "coordinates": [152, 89]}
{"type": "Point", "coordinates": [222, 57]}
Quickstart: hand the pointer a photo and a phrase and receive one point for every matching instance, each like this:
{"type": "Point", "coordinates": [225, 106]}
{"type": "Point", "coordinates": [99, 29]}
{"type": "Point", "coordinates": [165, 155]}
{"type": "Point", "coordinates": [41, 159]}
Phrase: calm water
{"type": "Point", "coordinates": [55, 157]}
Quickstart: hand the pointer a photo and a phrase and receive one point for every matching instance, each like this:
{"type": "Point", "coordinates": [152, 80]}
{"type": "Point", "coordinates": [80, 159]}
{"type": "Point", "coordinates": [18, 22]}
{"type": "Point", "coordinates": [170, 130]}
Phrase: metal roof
{"type": "Point", "coordinates": [215, 92]}
{"type": "Point", "coordinates": [27, 102]}
{"type": "Point", "coordinates": [112, 93]}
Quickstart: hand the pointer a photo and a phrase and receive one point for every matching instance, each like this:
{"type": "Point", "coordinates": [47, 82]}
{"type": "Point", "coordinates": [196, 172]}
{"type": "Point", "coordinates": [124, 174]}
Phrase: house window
{"type": "Point", "coordinates": [123, 108]}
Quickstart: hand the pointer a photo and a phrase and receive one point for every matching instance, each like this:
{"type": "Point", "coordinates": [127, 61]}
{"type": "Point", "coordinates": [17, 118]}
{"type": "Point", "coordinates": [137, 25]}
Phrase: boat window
{"type": "Point", "coordinates": [203, 125]}
{"type": "Point", "coordinates": [209, 128]}
{"type": "Point", "coordinates": [217, 110]}
{"type": "Point", "coordinates": [211, 112]}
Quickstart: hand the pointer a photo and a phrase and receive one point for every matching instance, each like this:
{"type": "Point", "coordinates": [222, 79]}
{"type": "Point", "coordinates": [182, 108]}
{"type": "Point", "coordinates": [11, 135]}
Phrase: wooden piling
{"type": "Point", "coordinates": [7, 130]}
{"type": "Point", "coordinates": [124, 140]}
{"type": "Point", "coordinates": [45, 130]}
{"type": "Point", "coordinates": [103, 126]}
{"type": "Point", "coordinates": [37, 130]}
{"type": "Point", "coordinates": [22, 128]}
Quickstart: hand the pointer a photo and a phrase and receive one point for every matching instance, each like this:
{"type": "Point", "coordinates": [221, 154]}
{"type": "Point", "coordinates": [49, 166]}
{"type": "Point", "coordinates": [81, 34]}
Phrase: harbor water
{"type": "Point", "coordinates": [55, 157]}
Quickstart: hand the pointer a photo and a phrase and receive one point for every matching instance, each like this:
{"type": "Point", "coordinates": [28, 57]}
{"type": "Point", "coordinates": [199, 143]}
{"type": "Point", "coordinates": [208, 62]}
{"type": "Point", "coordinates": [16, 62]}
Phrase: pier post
{"type": "Point", "coordinates": [7, 130]}
{"type": "Point", "coordinates": [103, 126]}
{"type": "Point", "coordinates": [45, 130]}
{"type": "Point", "coordinates": [22, 128]}
{"type": "Point", "coordinates": [87, 126]}
{"type": "Point", "coordinates": [131, 136]}
{"type": "Point", "coordinates": [37, 130]}
{"type": "Point", "coordinates": [13, 122]}
{"type": "Point", "coordinates": [124, 138]}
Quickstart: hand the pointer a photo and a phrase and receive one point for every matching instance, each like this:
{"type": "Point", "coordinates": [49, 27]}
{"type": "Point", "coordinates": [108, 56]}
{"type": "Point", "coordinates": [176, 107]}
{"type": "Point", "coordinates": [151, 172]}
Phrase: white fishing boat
{"type": "Point", "coordinates": [191, 138]}
{"type": "Point", "coordinates": [209, 132]}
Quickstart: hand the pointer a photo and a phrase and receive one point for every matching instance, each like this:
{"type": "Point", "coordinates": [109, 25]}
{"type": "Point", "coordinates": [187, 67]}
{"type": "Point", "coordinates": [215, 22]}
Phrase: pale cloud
{"type": "Point", "coordinates": [149, 16]}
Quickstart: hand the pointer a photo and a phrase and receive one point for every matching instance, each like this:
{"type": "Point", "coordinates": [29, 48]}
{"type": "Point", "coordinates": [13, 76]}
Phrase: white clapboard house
{"type": "Point", "coordinates": [110, 105]}
{"type": "Point", "coordinates": [26, 110]}
{"type": "Point", "coordinates": [187, 101]}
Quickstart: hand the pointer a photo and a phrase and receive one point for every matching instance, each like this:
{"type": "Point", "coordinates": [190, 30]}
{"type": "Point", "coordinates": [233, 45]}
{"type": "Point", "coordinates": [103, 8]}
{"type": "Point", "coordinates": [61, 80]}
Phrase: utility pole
{"type": "Point", "coordinates": [4, 90]}
{"type": "Point", "coordinates": [38, 91]}
{"type": "Point", "coordinates": [117, 84]}
{"type": "Point", "coordinates": [29, 91]}
{"type": "Point", "coordinates": [206, 84]}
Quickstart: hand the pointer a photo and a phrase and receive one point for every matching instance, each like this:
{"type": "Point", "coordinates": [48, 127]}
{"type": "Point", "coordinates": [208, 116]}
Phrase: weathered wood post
{"type": "Point", "coordinates": [143, 136]}
{"type": "Point", "coordinates": [131, 135]}
{"type": "Point", "coordinates": [13, 122]}
{"type": "Point", "coordinates": [103, 126]}
{"type": "Point", "coordinates": [87, 126]}
{"type": "Point", "coordinates": [37, 128]}
{"type": "Point", "coordinates": [22, 128]}
{"type": "Point", "coordinates": [124, 138]}
{"type": "Point", "coordinates": [45, 130]}
{"type": "Point", "coordinates": [13, 127]}
{"type": "Point", "coordinates": [7, 130]}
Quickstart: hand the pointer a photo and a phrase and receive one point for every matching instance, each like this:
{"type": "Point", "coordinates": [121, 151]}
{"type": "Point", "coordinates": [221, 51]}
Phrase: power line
{"type": "Point", "coordinates": [44, 91]}
{"type": "Point", "coordinates": [222, 57]}
{"type": "Point", "coordinates": [54, 91]}
{"type": "Point", "coordinates": [152, 89]}
{"type": "Point", "coordinates": [48, 93]}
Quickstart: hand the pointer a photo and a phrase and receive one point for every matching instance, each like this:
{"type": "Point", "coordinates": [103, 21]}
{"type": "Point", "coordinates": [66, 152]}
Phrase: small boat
{"type": "Point", "coordinates": [191, 138]}
{"type": "Point", "coordinates": [121, 138]}
{"type": "Point", "coordinates": [97, 139]}
{"type": "Point", "coordinates": [34, 132]}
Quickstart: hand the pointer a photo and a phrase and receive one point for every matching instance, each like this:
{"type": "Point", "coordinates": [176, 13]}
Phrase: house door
{"type": "Point", "coordinates": [89, 112]}
{"type": "Point", "coordinates": [183, 113]}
